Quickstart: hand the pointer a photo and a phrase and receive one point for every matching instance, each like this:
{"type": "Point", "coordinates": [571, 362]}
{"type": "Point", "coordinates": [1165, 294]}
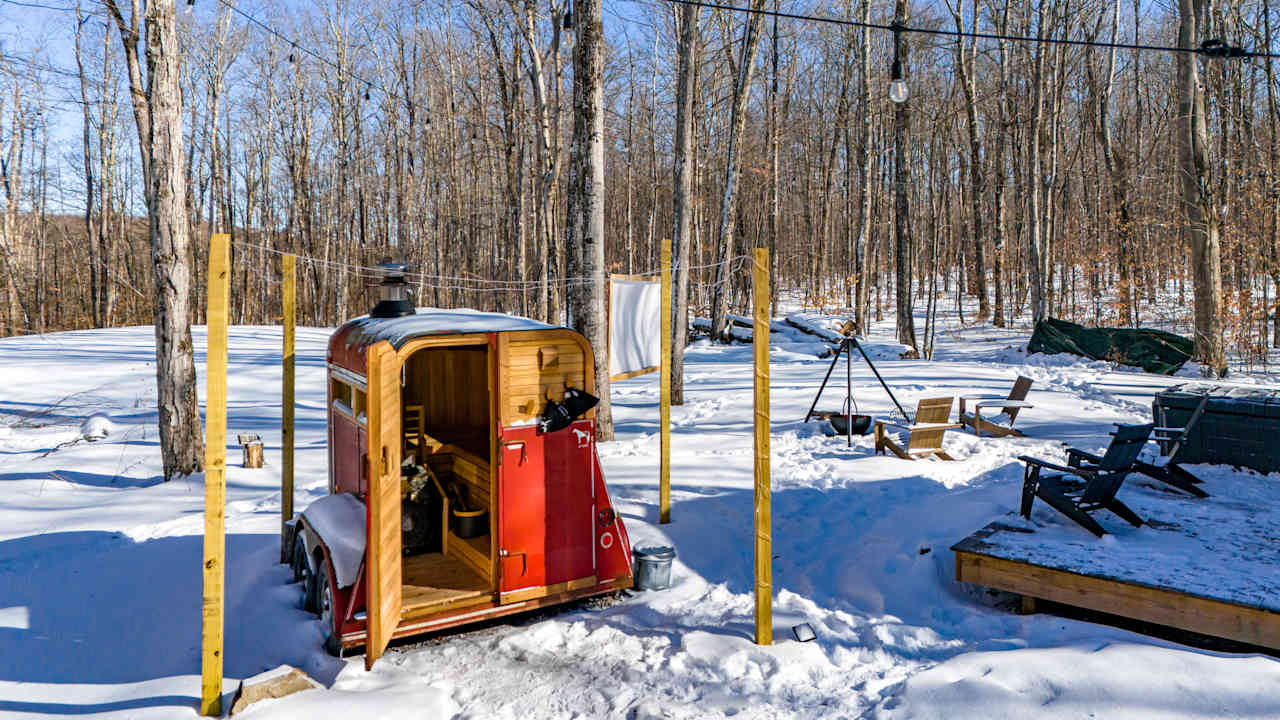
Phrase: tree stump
{"type": "Point", "coordinates": [252, 454]}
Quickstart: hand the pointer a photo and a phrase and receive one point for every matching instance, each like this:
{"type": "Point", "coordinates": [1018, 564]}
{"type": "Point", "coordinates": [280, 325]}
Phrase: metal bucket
{"type": "Point", "coordinates": [653, 567]}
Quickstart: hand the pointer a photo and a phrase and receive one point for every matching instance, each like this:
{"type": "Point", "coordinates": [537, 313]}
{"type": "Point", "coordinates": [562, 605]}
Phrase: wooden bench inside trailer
{"type": "Point", "coordinates": [455, 466]}
{"type": "Point", "coordinates": [462, 572]}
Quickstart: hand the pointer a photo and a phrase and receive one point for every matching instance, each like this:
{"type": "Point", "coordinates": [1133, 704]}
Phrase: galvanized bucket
{"type": "Point", "coordinates": [653, 567]}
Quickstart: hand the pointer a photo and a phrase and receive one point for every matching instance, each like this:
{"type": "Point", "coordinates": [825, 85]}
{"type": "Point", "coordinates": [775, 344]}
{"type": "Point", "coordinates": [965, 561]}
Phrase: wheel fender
{"type": "Point", "coordinates": [336, 525]}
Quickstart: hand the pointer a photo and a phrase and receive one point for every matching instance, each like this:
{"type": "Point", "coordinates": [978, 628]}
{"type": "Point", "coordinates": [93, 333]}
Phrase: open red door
{"type": "Point", "coordinates": [382, 553]}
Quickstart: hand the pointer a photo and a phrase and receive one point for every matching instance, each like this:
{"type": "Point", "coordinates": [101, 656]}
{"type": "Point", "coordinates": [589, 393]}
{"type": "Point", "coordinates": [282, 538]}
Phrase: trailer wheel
{"type": "Point", "coordinates": [311, 584]}
{"type": "Point", "coordinates": [298, 561]}
{"type": "Point", "coordinates": [324, 603]}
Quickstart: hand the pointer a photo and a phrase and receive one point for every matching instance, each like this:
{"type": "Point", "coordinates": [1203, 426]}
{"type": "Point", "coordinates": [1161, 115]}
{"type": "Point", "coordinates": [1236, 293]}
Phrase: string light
{"type": "Point", "coordinates": [295, 47]}
{"type": "Point", "coordinates": [898, 90]}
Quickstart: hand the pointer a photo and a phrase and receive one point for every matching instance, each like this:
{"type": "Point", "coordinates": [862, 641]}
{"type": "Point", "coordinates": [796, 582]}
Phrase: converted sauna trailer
{"type": "Point", "coordinates": [451, 500]}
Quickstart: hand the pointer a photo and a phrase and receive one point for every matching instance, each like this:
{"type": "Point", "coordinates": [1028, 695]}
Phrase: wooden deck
{"type": "Point", "coordinates": [1205, 565]}
{"type": "Point", "coordinates": [433, 581]}
{"type": "Point", "coordinates": [1010, 558]}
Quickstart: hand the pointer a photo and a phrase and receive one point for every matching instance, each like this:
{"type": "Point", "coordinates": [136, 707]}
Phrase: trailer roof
{"type": "Point", "coordinates": [348, 343]}
{"type": "Point", "coordinates": [367, 330]}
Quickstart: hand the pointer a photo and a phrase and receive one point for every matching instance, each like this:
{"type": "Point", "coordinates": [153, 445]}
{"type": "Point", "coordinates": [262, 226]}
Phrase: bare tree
{"type": "Point", "coordinates": [584, 236]}
{"type": "Point", "coordinates": [157, 110]}
{"type": "Point", "coordinates": [902, 189]}
{"type": "Point", "coordinates": [728, 211]}
{"type": "Point", "coordinates": [1198, 205]}
{"type": "Point", "coordinates": [682, 201]}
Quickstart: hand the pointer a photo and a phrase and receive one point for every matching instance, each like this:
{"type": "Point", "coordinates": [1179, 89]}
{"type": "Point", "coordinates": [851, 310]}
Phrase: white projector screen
{"type": "Point", "coordinates": [635, 328]}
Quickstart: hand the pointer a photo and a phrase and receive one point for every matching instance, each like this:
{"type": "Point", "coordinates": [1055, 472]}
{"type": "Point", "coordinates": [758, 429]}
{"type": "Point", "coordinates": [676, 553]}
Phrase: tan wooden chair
{"type": "Point", "coordinates": [1009, 407]}
{"type": "Point", "coordinates": [924, 436]}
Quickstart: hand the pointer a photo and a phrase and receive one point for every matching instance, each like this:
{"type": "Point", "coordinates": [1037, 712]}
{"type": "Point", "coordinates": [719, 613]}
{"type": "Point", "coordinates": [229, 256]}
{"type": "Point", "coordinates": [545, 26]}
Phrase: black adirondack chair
{"type": "Point", "coordinates": [1099, 484]}
{"type": "Point", "coordinates": [1171, 473]}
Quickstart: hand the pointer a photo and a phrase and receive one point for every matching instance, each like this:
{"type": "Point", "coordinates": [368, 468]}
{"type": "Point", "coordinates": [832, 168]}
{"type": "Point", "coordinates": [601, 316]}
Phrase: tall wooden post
{"type": "Point", "coordinates": [664, 465]}
{"type": "Point", "coordinates": [288, 277]}
{"type": "Point", "coordinates": [762, 522]}
{"type": "Point", "coordinates": [215, 477]}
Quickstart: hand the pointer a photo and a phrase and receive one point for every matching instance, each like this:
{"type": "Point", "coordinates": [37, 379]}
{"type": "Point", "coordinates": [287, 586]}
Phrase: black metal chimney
{"type": "Point", "coordinates": [393, 292]}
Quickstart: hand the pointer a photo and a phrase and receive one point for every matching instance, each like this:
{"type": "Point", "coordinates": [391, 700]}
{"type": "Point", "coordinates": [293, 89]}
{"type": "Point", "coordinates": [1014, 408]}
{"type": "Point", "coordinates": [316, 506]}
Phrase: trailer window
{"type": "Point", "coordinates": [348, 400]}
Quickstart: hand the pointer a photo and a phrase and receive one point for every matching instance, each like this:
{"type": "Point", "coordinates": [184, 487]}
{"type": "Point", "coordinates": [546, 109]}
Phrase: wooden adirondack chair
{"type": "Point", "coordinates": [1101, 481]}
{"type": "Point", "coordinates": [924, 436]}
{"type": "Point", "coordinates": [1009, 406]}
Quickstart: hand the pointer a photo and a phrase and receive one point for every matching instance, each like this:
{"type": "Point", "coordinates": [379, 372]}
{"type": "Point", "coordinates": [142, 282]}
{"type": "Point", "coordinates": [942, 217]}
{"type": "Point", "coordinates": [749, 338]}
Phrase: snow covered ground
{"type": "Point", "coordinates": [100, 579]}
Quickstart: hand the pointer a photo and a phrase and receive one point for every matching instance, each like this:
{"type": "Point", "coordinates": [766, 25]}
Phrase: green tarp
{"type": "Point", "coordinates": [1155, 351]}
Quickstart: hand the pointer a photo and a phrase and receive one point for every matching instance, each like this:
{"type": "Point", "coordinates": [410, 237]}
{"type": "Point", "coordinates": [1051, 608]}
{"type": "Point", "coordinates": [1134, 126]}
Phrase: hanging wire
{"type": "Point", "coordinates": [303, 48]}
{"type": "Point", "coordinates": [1214, 48]}
{"type": "Point", "coordinates": [474, 284]}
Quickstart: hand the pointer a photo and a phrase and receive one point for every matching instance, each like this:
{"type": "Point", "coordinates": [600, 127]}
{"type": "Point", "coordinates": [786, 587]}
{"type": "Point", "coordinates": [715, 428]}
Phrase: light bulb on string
{"type": "Point", "coordinates": [898, 91]}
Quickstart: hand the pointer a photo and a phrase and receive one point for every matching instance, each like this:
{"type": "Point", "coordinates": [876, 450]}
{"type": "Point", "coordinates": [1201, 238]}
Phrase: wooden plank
{"type": "Point", "coordinates": [664, 381]}
{"type": "Point", "coordinates": [215, 478]}
{"type": "Point", "coordinates": [634, 373]}
{"type": "Point", "coordinates": [434, 582]}
{"type": "Point", "coordinates": [1155, 605]}
{"type": "Point", "coordinates": [472, 551]}
{"type": "Point", "coordinates": [523, 385]}
{"type": "Point", "coordinates": [545, 590]}
{"type": "Point", "coordinates": [762, 519]}
{"type": "Point", "coordinates": [383, 548]}
{"type": "Point", "coordinates": [288, 276]}
{"type": "Point", "coordinates": [494, 384]}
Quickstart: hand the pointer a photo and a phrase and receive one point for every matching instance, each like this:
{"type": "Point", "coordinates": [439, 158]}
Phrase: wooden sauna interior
{"type": "Point", "coordinates": [535, 368]}
{"type": "Point", "coordinates": [447, 424]}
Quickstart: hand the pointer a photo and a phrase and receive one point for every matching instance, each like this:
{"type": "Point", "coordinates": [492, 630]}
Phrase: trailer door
{"type": "Point", "coordinates": [545, 533]}
{"type": "Point", "coordinates": [382, 553]}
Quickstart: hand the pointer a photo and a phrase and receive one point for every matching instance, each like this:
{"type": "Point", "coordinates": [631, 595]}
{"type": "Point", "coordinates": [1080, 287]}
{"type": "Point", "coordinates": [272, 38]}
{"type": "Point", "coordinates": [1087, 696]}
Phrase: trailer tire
{"type": "Point", "coordinates": [333, 645]}
{"type": "Point", "coordinates": [298, 560]}
{"type": "Point", "coordinates": [324, 606]}
{"type": "Point", "coordinates": [311, 584]}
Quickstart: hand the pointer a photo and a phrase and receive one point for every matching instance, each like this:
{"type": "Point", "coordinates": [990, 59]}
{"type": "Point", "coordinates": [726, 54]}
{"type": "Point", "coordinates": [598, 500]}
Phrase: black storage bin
{"type": "Point", "coordinates": [1240, 425]}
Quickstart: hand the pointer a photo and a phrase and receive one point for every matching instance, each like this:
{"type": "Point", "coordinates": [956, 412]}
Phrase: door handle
{"type": "Point", "coordinates": [524, 560]}
{"type": "Point", "coordinates": [524, 454]}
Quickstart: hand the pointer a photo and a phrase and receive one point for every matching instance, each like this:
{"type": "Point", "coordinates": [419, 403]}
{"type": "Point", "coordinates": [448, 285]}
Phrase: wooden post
{"type": "Point", "coordinates": [215, 478]}
{"type": "Point", "coordinates": [762, 522]}
{"type": "Point", "coordinates": [664, 465]}
{"type": "Point", "coordinates": [288, 310]}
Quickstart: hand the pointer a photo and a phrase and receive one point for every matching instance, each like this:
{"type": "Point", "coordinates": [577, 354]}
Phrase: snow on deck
{"type": "Point", "coordinates": [1223, 547]}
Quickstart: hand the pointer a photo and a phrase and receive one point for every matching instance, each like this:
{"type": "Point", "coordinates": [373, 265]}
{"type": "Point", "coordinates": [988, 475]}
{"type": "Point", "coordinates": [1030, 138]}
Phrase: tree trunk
{"type": "Point", "coordinates": [158, 112]}
{"type": "Point", "coordinates": [1035, 273]}
{"type": "Point", "coordinates": [862, 252]}
{"type": "Point", "coordinates": [584, 236]}
{"type": "Point", "coordinates": [902, 192]}
{"type": "Point", "coordinates": [1197, 202]}
{"type": "Point", "coordinates": [682, 202]}
{"type": "Point", "coordinates": [965, 65]}
{"type": "Point", "coordinates": [728, 214]}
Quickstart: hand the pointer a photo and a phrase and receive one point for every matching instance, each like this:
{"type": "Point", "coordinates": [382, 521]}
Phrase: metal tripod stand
{"type": "Point", "coordinates": [847, 343]}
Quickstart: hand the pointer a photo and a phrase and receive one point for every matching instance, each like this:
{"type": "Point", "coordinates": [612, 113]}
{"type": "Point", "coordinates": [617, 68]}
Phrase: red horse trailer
{"type": "Point", "coordinates": [455, 495]}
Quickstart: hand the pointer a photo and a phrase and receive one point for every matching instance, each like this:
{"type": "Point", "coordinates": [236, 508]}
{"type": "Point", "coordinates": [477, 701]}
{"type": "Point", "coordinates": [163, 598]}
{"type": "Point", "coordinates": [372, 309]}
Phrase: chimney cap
{"type": "Point", "coordinates": [392, 270]}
